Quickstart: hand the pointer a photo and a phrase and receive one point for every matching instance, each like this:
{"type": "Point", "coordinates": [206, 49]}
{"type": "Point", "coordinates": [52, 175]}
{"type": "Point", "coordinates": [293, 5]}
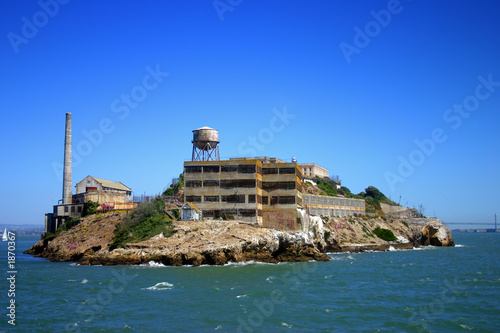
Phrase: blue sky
{"type": "Point", "coordinates": [402, 95]}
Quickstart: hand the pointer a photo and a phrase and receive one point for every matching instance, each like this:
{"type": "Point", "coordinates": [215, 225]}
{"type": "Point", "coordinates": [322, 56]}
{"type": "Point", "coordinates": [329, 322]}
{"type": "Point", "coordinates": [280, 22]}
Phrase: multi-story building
{"type": "Point", "coordinates": [333, 206]}
{"type": "Point", "coordinates": [311, 170]}
{"type": "Point", "coordinates": [247, 189]}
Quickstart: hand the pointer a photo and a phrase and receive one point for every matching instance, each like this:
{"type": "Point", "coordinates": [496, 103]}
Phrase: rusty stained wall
{"type": "Point", "coordinates": [282, 219]}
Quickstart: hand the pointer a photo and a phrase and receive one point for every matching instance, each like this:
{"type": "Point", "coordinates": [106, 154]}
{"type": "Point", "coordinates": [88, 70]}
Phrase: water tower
{"type": "Point", "coordinates": [205, 144]}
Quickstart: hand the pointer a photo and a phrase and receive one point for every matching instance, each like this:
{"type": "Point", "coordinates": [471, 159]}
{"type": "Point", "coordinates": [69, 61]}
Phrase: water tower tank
{"type": "Point", "coordinates": [205, 138]}
{"type": "Point", "coordinates": [205, 144]}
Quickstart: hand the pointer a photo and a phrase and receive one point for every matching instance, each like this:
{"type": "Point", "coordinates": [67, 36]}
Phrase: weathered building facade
{"type": "Point", "coordinates": [333, 206]}
{"type": "Point", "coordinates": [102, 191]}
{"type": "Point", "coordinates": [246, 189]}
{"type": "Point", "coordinates": [311, 170]}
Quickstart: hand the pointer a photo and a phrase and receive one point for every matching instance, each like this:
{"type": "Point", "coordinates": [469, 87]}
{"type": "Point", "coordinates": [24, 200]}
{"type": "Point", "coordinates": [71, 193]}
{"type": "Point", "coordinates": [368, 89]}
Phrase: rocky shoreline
{"type": "Point", "coordinates": [220, 242]}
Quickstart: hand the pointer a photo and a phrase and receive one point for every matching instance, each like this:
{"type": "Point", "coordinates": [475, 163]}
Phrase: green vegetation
{"type": "Point", "coordinates": [176, 213]}
{"type": "Point", "coordinates": [404, 222]}
{"type": "Point", "coordinates": [226, 217]}
{"type": "Point", "coordinates": [69, 223]}
{"type": "Point", "coordinates": [90, 208]}
{"type": "Point", "coordinates": [384, 234]}
{"type": "Point", "coordinates": [326, 186]}
{"type": "Point", "coordinates": [148, 219]}
{"type": "Point", "coordinates": [174, 188]}
{"type": "Point", "coordinates": [327, 235]}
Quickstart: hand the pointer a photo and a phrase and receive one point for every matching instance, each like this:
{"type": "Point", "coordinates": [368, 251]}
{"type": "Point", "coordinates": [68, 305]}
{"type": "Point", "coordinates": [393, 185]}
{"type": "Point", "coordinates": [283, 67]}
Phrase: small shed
{"type": "Point", "coordinates": [190, 212]}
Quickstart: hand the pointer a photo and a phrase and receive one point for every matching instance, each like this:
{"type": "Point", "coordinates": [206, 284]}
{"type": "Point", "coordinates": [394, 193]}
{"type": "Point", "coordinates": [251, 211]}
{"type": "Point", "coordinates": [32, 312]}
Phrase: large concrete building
{"type": "Point", "coordinates": [311, 170]}
{"type": "Point", "coordinates": [247, 189]}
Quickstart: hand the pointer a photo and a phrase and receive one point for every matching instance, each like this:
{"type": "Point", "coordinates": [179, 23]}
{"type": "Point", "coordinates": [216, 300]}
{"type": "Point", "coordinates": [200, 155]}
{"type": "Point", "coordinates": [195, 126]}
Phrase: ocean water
{"type": "Point", "coordinates": [425, 290]}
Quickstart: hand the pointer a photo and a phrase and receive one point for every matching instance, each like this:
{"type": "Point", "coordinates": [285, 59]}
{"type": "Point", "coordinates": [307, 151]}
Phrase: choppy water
{"type": "Point", "coordinates": [426, 290]}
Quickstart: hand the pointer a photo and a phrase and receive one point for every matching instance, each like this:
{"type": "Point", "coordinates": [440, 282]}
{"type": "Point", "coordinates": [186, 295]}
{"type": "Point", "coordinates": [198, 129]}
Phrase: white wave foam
{"type": "Point", "coordinates": [160, 286]}
{"type": "Point", "coordinates": [241, 296]}
{"type": "Point", "coordinates": [391, 248]}
{"type": "Point", "coordinates": [459, 245]}
{"type": "Point", "coordinates": [155, 264]}
{"type": "Point", "coordinates": [84, 281]}
{"type": "Point", "coordinates": [245, 263]}
{"type": "Point", "coordinates": [286, 325]}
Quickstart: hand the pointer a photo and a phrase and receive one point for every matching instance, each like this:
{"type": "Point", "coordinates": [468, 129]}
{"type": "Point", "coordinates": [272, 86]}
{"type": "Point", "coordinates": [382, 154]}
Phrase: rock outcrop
{"type": "Point", "coordinates": [220, 242]}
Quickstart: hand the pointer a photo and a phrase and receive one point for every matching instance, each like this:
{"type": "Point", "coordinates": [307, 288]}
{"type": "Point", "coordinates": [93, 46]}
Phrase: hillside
{"type": "Point", "coordinates": [93, 240]}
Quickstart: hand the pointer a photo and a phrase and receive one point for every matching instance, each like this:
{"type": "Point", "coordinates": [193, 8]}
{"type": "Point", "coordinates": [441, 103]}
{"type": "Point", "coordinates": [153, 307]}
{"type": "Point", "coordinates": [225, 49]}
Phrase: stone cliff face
{"type": "Point", "coordinates": [220, 242]}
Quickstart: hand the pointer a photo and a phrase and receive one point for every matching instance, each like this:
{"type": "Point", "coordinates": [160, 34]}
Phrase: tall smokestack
{"type": "Point", "coordinates": [67, 191]}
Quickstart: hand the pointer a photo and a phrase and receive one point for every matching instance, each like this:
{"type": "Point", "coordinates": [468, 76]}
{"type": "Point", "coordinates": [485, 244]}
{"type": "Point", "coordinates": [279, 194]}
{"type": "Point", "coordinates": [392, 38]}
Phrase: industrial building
{"type": "Point", "coordinates": [109, 194]}
{"type": "Point", "coordinates": [263, 190]}
{"type": "Point", "coordinates": [311, 170]}
{"type": "Point", "coordinates": [102, 191]}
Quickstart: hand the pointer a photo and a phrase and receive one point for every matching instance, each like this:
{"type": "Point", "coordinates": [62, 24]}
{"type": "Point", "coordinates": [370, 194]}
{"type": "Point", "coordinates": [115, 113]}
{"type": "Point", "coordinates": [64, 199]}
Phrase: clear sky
{"type": "Point", "coordinates": [402, 95]}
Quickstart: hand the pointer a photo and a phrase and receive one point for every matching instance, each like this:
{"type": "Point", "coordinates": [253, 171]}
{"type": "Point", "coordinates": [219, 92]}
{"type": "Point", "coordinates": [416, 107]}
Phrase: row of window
{"type": "Point", "coordinates": [329, 201]}
{"type": "Point", "coordinates": [224, 183]}
{"type": "Point", "coordinates": [334, 212]}
{"type": "Point", "coordinates": [244, 183]}
{"type": "Point", "coordinates": [242, 168]}
{"type": "Point", "coordinates": [242, 198]}
{"type": "Point", "coordinates": [233, 212]}
{"type": "Point", "coordinates": [66, 209]}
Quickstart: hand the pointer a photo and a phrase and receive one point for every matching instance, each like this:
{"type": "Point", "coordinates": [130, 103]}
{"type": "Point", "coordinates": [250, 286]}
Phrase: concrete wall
{"type": "Point", "coordinates": [333, 206]}
{"type": "Point", "coordinates": [312, 170]}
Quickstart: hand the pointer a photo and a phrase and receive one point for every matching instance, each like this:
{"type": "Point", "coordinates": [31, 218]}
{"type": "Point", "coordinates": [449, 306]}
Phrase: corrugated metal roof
{"type": "Point", "coordinates": [192, 206]}
{"type": "Point", "coordinates": [112, 184]}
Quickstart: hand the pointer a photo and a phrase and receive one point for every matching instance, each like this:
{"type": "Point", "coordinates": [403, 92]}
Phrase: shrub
{"type": "Point", "coordinates": [90, 208]}
{"type": "Point", "coordinates": [326, 186]}
{"type": "Point", "coordinates": [327, 235]}
{"type": "Point", "coordinates": [226, 217]}
{"type": "Point", "coordinates": [384, 234]}
{"type": "Point", "coordinates": [145, 221]}
{"type": "Point", "coordinates": [176, 213]}
{"type": "Point", "coordinates": [406, 224]}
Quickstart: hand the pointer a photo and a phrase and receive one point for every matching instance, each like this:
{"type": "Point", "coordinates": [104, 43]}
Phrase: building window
{"type": "Point", "coordinates": [229, 183]}
{"type": "Point", "coordinates": [274, 200]}
{"type": "Point", "coordinates": [229, 168]}
{"type": "Point", "coordinates": [251, 198]}
{"type": "Point", "coordinates": [79, 209]}
{"type": "Point", "coordinates": [210, 183]}
{"type": "Point", "coordinates": [269, 171]}
{"type": "Point", "coordinates": [235, 198]}
{"type": "Point", "coordinates": [211, 168]}
{"type": "Point", "coordinates": [306, 200]}
{"type": "Point", "coordinates": [193, 198]}
{"type": "Point", "coordinates": [246, 168]}
{"type": "Point", "coordinates": [192, 169]}
{"type": "Point", "coordinates": [287, 171]}
{"type": "Point", "coordinates": [72, 209]}
{"type": "Point", "coordinates": [66, 209]}
{"type": "Point", "coordinates": [285, 200]}
{"type": "Point", "coordinates": [246, 183]}
{"type": "Point", "coordinates": [265, 200]}
{"type": "Point", "coordinates": [193, 183]}
{"type": "Point", "coordinates": [211, 198]}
